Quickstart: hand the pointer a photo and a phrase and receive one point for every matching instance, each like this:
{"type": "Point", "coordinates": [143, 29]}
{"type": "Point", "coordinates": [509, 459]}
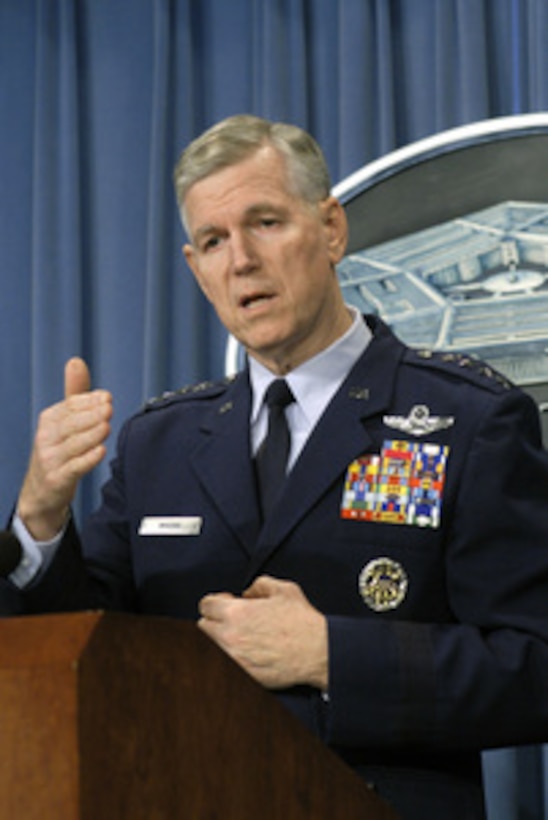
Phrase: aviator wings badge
{"type": "Point", "coordinates": [419, 422]}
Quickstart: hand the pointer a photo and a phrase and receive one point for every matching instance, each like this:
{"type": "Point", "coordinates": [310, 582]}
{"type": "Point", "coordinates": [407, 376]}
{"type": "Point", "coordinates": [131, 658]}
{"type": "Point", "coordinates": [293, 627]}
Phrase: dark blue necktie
{"type": "Point", "coordinates": [271, 459]}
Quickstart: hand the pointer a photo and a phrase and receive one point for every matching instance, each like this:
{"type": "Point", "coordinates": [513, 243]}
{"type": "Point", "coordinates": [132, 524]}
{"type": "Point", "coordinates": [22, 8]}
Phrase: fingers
{"type": "Point", "coordinates": [82, 409]}
{"type": "Point", "coordinates": [69, 442]}
{"type": "Point", "coordinates": [265, 587]}
{"type": "Point", "coordinates": [77, 377]}
{"type": "Point", "coordinates": [262, 587]}
{"type": "Point", "coordinates": [272, 631]}
{"type": "Point", "coordinates": [216, 618]}
{"type": "Point", "coordinates": [71, 434]}
{"type": "Point", "coordinates": [219, 606]}
{"type": "Point", "coordinates": [82, 420]}
{"type": "Point", "coordinates": [213, 607]}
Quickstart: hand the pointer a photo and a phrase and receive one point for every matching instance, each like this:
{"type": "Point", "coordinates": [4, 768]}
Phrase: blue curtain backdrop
{"type": "Point", "coordinates": [98, 97]}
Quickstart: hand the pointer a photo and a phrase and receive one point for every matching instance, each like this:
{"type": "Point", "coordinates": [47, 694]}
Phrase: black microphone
{"type": "Point", "coordinates": [11, 552]}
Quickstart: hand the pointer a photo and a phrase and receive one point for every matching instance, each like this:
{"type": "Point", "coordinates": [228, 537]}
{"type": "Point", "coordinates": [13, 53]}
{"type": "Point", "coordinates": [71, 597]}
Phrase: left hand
{"type": "Point", "coordinates": [272, 631]}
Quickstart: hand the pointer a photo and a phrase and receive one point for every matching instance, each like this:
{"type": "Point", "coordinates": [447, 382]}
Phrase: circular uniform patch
{"type": "Point", "coordinates": [383, 584]}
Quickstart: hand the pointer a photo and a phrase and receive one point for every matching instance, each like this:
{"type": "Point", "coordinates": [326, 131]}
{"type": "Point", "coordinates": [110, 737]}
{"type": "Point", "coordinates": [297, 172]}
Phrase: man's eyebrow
{"type": "Point", "coordinates": [256, 209]}
{"type": "Point", "coordinates": [263, 207]}
{"type": "Point", "coordinates": [204, 230]}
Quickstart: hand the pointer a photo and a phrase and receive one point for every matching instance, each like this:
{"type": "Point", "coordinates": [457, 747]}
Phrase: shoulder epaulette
{"type": "Point", "coordinates": [469, 366]}
{"type": "Point", "coordinates": [201, 390]}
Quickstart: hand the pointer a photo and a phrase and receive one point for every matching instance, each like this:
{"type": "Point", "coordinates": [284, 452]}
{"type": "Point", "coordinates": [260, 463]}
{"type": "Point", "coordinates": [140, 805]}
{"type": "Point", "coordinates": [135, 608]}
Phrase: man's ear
{"type": "Point", "coordinates": [190, 255]}
{"type": "Point", "coordinates": [336, 227]}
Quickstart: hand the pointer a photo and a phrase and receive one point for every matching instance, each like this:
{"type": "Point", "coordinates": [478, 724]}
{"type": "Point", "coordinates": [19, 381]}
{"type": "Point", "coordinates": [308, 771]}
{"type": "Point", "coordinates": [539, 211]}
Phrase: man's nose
{"type": "Point", "coordinates": [244, 257]}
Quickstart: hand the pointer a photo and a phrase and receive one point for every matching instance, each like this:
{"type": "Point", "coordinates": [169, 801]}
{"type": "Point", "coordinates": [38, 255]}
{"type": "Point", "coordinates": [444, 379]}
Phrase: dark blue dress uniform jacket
{"type": "Point", "coordinates": [460, 664]}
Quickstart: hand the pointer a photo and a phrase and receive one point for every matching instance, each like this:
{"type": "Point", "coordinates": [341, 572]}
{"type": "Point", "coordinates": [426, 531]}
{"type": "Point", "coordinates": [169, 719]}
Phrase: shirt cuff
{"type": "Point", "coordinates": [36, 554]}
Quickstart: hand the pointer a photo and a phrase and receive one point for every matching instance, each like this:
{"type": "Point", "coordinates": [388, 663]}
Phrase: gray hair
{"type": "Point", "coordinates": [237, 138]}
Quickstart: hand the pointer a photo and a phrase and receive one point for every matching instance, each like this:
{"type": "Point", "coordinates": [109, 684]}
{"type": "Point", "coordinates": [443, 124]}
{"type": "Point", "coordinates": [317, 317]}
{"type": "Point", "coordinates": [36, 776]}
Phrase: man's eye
{"type": "Point", "coordinates": [269, 222]}
{"type": "Point", "coordinates": [210, 243]}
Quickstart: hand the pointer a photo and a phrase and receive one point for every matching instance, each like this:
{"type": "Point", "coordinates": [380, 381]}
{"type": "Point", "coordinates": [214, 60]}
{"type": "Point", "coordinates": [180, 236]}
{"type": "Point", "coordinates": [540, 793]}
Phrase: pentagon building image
{"type": "Point", "coordinates": [478, 284]}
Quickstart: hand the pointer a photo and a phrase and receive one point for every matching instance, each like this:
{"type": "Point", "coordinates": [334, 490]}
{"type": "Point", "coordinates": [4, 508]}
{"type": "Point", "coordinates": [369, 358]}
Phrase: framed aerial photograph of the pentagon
{"type": "Point", "coordinates": [449, 246]}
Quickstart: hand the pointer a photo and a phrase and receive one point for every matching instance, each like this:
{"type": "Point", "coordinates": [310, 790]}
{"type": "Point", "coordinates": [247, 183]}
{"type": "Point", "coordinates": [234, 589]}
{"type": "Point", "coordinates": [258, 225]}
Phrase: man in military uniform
{"type": "Point", "coordinates": [393, 587]}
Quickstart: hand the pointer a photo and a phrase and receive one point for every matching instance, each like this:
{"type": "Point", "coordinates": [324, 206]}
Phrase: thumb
{"type": "Point", "coordinates": [263, 587]}
{"type": "Point", "coordinates": [77, 377]}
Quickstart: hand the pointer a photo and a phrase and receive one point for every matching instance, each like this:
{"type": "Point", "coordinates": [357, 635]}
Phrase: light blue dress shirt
{"type": "Point", "coordinates": [313, 383]}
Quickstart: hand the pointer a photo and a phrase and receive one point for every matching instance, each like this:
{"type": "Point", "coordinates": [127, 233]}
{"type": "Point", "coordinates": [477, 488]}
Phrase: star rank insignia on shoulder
{"type": "Point", "coordinates": [201, 390]}
{"type": "Point", "coordinates": [469, 366]}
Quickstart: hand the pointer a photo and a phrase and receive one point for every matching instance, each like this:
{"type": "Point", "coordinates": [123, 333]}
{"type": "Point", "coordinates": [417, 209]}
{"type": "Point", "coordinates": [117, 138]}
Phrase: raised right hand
{"type": "Point", "coordinates": [69, 442]}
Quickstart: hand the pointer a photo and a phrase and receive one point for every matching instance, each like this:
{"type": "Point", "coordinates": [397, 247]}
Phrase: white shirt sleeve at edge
{"type": "Point", "coordinates": [36, 554]}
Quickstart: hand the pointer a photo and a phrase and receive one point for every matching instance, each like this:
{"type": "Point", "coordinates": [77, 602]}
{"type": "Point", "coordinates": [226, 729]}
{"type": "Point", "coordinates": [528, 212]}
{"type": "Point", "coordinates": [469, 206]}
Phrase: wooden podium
{"type": "Point", "coordinates": [122, 717]}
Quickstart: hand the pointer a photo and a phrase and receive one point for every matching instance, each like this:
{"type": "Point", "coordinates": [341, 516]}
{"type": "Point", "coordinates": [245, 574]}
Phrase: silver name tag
{"type": "Point", "coordinates": [171, 525]}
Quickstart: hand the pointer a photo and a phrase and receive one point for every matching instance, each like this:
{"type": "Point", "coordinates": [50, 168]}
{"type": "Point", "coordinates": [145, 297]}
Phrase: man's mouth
{"type": "Point", "coordinates": [252, 300]}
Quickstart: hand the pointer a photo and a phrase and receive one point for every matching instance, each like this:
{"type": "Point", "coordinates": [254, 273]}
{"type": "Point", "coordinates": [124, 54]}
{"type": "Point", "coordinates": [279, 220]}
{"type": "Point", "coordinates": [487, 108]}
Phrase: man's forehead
{"type": "Point", "coordinates": [237, 192]}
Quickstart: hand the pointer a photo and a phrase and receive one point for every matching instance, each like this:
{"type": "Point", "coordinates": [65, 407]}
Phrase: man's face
{"type": "Point", "coordinates": [265, 259]}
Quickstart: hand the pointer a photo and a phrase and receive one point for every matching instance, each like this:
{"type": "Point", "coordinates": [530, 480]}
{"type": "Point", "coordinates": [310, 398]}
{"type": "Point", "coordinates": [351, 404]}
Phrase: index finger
{"type": "Point", "coordinates": [265, 586]}
{"type": "Point", "coordinates": [77, 377]}
{"type": "Point", "coordinates": [211, 606]}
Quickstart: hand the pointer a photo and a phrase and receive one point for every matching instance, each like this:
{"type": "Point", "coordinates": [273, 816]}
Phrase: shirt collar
{"type": "Point", "coordinates": [317, 379]}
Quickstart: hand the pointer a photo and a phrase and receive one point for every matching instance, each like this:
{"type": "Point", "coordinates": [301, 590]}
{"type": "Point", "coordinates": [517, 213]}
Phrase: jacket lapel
{"type": "Point", "coordinates": [223, 465]}
{"type": "Point", "coordinates": [340, 436]}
